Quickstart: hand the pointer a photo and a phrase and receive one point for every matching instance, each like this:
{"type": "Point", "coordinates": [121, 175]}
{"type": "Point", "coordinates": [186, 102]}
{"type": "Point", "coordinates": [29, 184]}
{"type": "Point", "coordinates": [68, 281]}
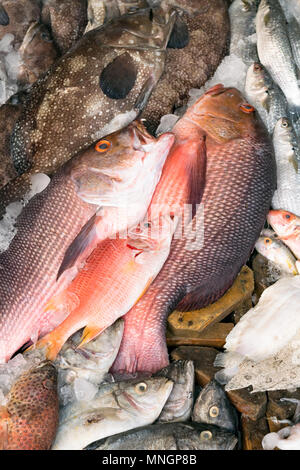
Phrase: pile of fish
{"type": "Point", "coordinates": [114, 212]}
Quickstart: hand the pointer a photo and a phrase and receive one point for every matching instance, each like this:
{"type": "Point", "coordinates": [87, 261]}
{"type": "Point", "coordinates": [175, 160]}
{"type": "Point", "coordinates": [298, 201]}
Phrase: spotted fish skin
{"type": "Point", "coordinates": [66, 110]}
{"type": "Point", "coordinates": [67, 20]}
{"type": "Point", "coordinates": [30, 419]}
{"type": "Point", "coordinates": [239, 183]}
{"type": "Point", "coordinates": [16, 17]}
{"type": "Point", "coordinates": [9, 113]}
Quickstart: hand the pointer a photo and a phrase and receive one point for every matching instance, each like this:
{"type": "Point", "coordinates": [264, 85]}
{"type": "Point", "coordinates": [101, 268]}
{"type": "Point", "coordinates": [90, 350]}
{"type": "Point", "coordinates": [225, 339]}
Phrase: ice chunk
{"type": "Point", "coordinates": [166, 123]}
{"type": "Point", "coordinates": [12, 64]}
{"type": "Point", "coordinates": [84, 390]}
{"type": "Point", "coordinates": [6, 45]}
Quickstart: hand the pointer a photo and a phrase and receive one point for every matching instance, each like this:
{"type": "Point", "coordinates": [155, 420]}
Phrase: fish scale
{"type": "Point", "coordinates": [240, 181]}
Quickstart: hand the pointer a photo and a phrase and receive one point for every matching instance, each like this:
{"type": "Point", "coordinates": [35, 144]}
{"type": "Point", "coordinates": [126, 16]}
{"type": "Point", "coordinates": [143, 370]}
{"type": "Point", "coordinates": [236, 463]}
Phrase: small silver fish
{"type": "Point", "coordinates": [242, 22]}
{"type": "Point", "coordinates": [294, 35]}
{"type": "Point", "coordinates": [278, 253]}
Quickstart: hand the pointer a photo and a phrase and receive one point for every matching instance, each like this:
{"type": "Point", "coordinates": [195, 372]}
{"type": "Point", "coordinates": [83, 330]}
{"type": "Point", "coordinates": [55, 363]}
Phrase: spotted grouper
{"type": "Point", "coordinates": [240, 179]}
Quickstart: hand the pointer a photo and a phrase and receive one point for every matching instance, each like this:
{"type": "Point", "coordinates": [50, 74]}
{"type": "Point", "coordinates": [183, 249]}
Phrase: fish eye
{"type": "Point", "coordinates": [267, 241]}
{"type": "Point", "coordinates": [285, 123]}
{"type": "Point", "coordinates": [102, 146]}
{"type": "Point", "coordinates": [287, 216]}
{"type": "Point", "coordinates": [141, 388]}
{"type": "Point", "coordinates": [205, 435]}
{"type": "Point", "coordinates": [214, 411]}
{"type": "Point", "coordinates": [247, 108]}
{"type": "Point", "coordinates": [147, 224]}
{"type": "Point", "coordinates": [257, 67]}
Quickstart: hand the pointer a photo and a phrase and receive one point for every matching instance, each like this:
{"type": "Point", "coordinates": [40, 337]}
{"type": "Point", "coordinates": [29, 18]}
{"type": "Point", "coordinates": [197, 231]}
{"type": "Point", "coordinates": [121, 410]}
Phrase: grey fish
{"type": "Point", "coordinates": [89, 364]}
{"type": "Point", "coordinates": [179, 404]}
{"type": "Point", "coordinates": [294, 35]}
{"type": "Point", "coordinates": [16, 17]}
{"type": "Point", "coordinates": [213, 407]}
{"type": "Point", "coordinates": [170, 436]}
{"type": "Point", "coordinates": [117, 407]}
{"type": "Point", "coordinates": [98, 87]}
{"type": "Point", "coordinates": [275, 51]}
{"type": "Point", "coordinates": [242, 23]}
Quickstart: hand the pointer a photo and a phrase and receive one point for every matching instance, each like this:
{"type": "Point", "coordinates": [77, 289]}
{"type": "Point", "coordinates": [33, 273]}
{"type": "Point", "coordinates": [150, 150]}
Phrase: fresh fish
{"type": "Point", "coordinates": [287, 153]}
{"type": "Point", "coordinates": [294, 35]}
{"type": "Point", "coordinates": [242, 24]}
{"type": "Point", "coordinates": [236, 198]}
{"type": "Point", "coordinates": [125, 265]}
{"type": "Point", "coordinates": [101, 11]}
{"type": "Point", "coordinates": [170, 436]}
{"type": "Point", "coordinates": [37, 53]}
{"type": "Point", "coordinates": [126, 163]}
{"type": "Point", "coordinates": [16, 17]}
{"type": "Point", "coordinates": [89, 364]}
{"type": "Point", "coordinates": [8, 115]}
{"type": "Point", "coordinates": [62, 115]}
{"type": "Point", "coordinates": [30, 418]}
{"type": "Point", "coordinates": [213, 407]}
{"type": "Point", "coordinates": [287, 227]}
{"type": "Point", "coordinates": [275, 51]}
{"type": "Point", "coordinates": [287, 438]}
{"type": "Point", "coordinates": [117, 407]}
{"type": "Point", "coordinates": [277, 252]}
{"type": "Point", "coordinates": [67, 20]}
{"type": "Point", "coordinates": [180, 402]}
{"type": "Point", "coordinates": [265, 95]}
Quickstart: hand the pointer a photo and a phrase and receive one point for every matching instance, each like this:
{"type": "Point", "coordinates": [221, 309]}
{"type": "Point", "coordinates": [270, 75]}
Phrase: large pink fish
{"type": "Point", "coordinates": [105, 174]}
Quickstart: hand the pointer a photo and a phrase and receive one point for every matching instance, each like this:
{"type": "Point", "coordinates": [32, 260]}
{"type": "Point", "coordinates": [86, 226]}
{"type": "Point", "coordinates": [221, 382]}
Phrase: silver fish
{"type": "Point", "coordinates": [294, 35]}
{"type": "Point", "coordinates": [278, 253]}
{"type": "Point", "coordinates": [275, 51]}
{"type": "Point", "coordinates": [170, 436]}
{"type": "Point", "coordinates": [179, 404]}
{"type": "Point", "coordinates": [213, 407]}
{"type": "Point", "coordinates": [89, 364]}
{"type": "Point", "coordinates": [242, 22]}
{"type": "Point", "coordinates": [117, 407]}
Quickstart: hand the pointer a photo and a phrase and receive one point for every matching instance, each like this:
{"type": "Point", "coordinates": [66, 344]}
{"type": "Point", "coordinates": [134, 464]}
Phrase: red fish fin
{"type": "Point", "coordinates": [85, 237]}
{"type": "Point", "coordinates": [196, 172]}
{"type": "Point", "coordinates": [192, 301]}
{"type": "Point", "coordinates": [89, 333]}
{"type": "Point", "coordinates": [51, 344]}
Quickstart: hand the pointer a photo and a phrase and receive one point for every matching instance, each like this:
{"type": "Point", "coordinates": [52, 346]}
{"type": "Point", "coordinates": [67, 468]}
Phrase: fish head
{"type": "Point", "coordinates": [101, 11]}
{"type": "Point", "coordinates": [283, 222]}
{"type": "Point", "coordinates": [213, 437]}
{"type": "Point", "coordinates": [212, 406]}
{"type": "Point", "coordinates": [265, 245]}
{"type": "Point", "coordinates": [283, 133]}
{"type": "Point", "coordinates": [146, 396]}
{"type": "Point", "coordinates": [153, 235]}
{"type": "Point", "coordinates": [118, 163]}
{"type": "Point", "coordinates": [223, 114]}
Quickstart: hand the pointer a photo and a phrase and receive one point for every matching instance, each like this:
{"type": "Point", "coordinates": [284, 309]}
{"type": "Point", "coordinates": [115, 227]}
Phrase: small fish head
{"type": "Point", "coordinates": [283, 222]}
{"type": "Point", "coordinates": [115, 162]}
{"type": "Point", "coordinates": [153, 235]}
{"type": "Point", "coordinates": [283, 132]}
{"type": "Point", "coordinates": [212, 437]}
{"type": "Point", "coordinates": [147, 395]}
{"type": "Point", "coordinates": [223, 114]}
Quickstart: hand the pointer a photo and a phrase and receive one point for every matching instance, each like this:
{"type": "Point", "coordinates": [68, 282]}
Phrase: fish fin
{"type": "Point", "coordinates": [87, 234]}
{"type": "Point", "coordinates": [191, 301]}
{"type": "Point", "coordinates": [266, 104]}
{"type": "Point", "coordinates": [118, 77]}
{"type": "Point", "coordinates": [51, 344]}
{"type": "Point", "coordinates": [144, 94]}
{"type": "Point", "coordinates": [196, 172]}
{"type": "Point", "coordinates": [4, 18]}
{"type": "Point", "coordinates": [65, 300]}
{"type": "Point", "coordinates": [148, 284]}
{"type": "Point", "coordinates": [267, 18]}
{"type": "Point", "coordinates": [13, 191]}
{"type": "Point", "coordinates": [89, 333]}
{"type": "Point", "coordinates": [179, 36]}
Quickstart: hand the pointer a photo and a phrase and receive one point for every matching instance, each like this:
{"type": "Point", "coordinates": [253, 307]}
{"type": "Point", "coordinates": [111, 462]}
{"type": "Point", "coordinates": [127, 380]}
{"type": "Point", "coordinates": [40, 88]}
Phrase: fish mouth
{"type": "Point", "coordinates": [140, 136]}
{"type": "Point", "coordinates": [216, 90]}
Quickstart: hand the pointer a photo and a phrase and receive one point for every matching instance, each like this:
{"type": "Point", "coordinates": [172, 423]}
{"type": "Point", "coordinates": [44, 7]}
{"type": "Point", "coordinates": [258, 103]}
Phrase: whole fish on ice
{"type": "Point", "coordinates": [242, 27]}
{"type": "Point", "coordinates": [82, 98]}
{"type": "Point", "coordinates": [126, 163]}
{"type": "Point", "coordinates": [117, 407]}
{"type": "Point", "coordinates": [236, 194]}
{"type": "Point", "coordinates": [29, 420]}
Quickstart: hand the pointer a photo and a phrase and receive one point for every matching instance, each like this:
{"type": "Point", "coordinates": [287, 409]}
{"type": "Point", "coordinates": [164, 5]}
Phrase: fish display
{"type": "Point", "coordinates": [129, 265]}
{"type": "Point", "coordinates": [242, 24]}
{"type": "Point", "coordinates": [276, 252]}
{"type": "Point", "coordinates": [77, 367]}
{"type": "Point", "coordinates": [8, 115]}
{"type": "Point", "coordinates": [236, 193]}
{"type": "Point", "coordinates": [287, 154]}
{"type": "Point", "coordinates": [265, 95]}
{"type": "Point", "coordinates": [61, 115]}
{"type": "Point", "coordinates": [170, 436]}
{"type": "Point", "coordinates": [180, 402]}
{"type": "Point", "coordinates": [275, 51]}
{"type": "Point", "coordinates": [102, 174]}
{"type": "Point", "coordinates": [286, 225]}
{"type": "Point", "coordinates": [213, 407]}
{"type": "Point", "coordinates": [37, 53]}
{"type": "Point", "coordinates": [67, 20]}
{"type": "Point", "coordinates": [29, 419]}
{"type": "Point", "coordinates": [294, 36]}
{"type": "Point", "coordinates": [117, 407]}
{"type": "Point", "coordinates": [16, 17]}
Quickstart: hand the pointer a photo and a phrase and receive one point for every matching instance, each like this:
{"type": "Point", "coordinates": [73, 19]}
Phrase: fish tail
{"type": "Point", "coordinates": [89, 333]}
{"type": "Point", "coordinates": [51, 343]}
{"type": "Point", "coordinates": [14, 191]}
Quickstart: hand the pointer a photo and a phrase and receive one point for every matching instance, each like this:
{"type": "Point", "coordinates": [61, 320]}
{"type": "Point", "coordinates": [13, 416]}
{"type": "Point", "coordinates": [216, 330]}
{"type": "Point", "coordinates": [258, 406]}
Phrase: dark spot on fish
{"type": "Point", "coordinates": [180, 35]}
{"type": "Point", "coordinates": [118, 77]}
{"type": "Point", "coordinates": [94, 419]}
{"type": "Point", "coordinates": [4, 18]}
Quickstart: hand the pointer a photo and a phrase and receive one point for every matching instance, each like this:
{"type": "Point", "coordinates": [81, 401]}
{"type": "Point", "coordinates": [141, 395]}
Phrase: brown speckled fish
{"type": "Point", "coordinates": [98, 87]}
{"type": "Point", "coordinates": [239, 183]}
{"type": "Point", "coordinates": [196, 47]}
{"type": "Point", "coordinates": [125, 165]}
{"type": "Point", "coordinates": [9, 113]}
{"type": "Point", "coordinates": [16, 16]}
{"type": "Point", "coordinates": [67, 20]}
{"type": "Point", "coordinates": [29, 420]}
{"type": "Point", "coordinates": [37, 53]}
